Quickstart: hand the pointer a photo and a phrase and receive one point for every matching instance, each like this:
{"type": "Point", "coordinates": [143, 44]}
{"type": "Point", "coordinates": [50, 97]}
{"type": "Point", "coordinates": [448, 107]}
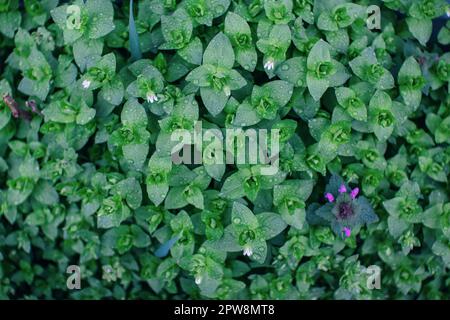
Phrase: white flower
{"type": "Point", "coordinates": [198, 280]}
{"type": "Point", "coordinates": [86, 84]}
{"type": "Point", "coordinates": [269, 65]}
{"type": "Point", "coordinates": [151, 97]}
{"type": "Point", "coordinates": [227, 91]}
{"type": "Point", "coordinates": [247, 251]}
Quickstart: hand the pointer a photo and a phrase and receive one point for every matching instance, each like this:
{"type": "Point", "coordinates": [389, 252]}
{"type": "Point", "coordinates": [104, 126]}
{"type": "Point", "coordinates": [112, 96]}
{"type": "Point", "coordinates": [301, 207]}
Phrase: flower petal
{"type": "Point", "coordinates": [354, 193]}
{"type": "Point", "coordinates": [329, 197]}
{"type": "Point", "coordinates": [347, 232]}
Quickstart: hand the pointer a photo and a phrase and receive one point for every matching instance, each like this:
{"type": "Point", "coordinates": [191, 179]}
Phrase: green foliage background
{"type": "Point", "coordinates": [88, 180]}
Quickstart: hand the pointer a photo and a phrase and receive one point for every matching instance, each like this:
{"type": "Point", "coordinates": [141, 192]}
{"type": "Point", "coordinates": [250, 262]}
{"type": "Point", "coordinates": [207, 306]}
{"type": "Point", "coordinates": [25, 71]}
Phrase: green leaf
{"type": "Point", "coordinates": [113, 92]}
{"type": "Point", "coordinates": [133, 114]}
{"type": "Point", "coordinates": [235, 25]}
{"type": "Point", "coordinates": [101, 13]}
{"type": "Point", "coordinates": [380, 115]}
{"type": "Point", "coordinates": [175, 199]}
{"type": "Point", "coordinates": [326, 22]}
{"type": "Point", "coordinates": [176, 29]}
{"type": "Point", "coordinates": [45, 193]}
{"type": "Point", "coordinates": [420, 29]}
{"type": "Point", "coordinates": [411, 82]}
{"type": "Point", "coordinates": [10, 22]}
{"type": "Point", "coordinates": [280, 12]}
{"type": "Point", "coordinates": [219, 52]}
{"type": "Point", "coordinates": [157, 179]}
{"type": "Point", "coordinates": [193, 52]}
{"type": "Point", "coordinates": [195, 197]}
{"type": "Point", "coordinates": [444, 35]}
{"type": "Point", "coordinates": [320, 52]}
{"type": "Point", "coordinates": [85, 115]}
{"type": "Point", "coordinates": [239, 33]}
{"type": "Point", "coordinates": [135, 154]}
{"type": "Point", "coordinates": [83, 49]}
{"type": "Point", "coordinates": [214, 100]}
{"type": "Point", "coordinates": [259, 251]}
{"type": "Point", "coordinates": [246, 115]}
{"type": "Point", "coordinates": [348, 99]}
{"type": "Point", "coordinates": [280, 91]}
{"type": "Point", "coordinates": [271, 223]}
{"type": "Point", "coordinates": [396, 226]}
{"type": "Point", "coordinates": [293, 70]}
{"type": "Point", "coordinates": [366, 67]}
{"type": "Point", "coordinates": [241, 215]}
{"type": "Point", "coordinates": [316, 87]}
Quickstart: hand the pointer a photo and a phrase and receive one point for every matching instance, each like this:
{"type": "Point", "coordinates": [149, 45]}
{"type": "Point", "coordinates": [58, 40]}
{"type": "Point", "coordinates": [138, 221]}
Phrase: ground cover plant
{"type": "Point", "coordinates": [92, 93]}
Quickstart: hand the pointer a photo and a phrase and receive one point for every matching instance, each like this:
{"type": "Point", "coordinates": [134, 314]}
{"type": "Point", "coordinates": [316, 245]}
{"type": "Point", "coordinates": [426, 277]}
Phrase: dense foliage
{"type": "Point", "coordinates": [93, 90]}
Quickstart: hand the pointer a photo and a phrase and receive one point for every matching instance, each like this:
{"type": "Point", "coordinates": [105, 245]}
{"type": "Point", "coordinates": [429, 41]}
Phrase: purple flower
{"type": "Point", "coordinates": [329, 197]}
{"type": "Point", "coordinates": [31, 104]}
{"type": "Point", "coordinates": [354, 193]}
{"type": "Point", "coordinates": [16, 111]}
{"type": "Point", "coordinates": [347, 232]}
{"type": "Point", "coordinates": [345, 210]}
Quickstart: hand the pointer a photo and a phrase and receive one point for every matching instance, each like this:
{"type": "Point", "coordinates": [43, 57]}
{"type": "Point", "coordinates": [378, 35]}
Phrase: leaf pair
{"type": "Point", "coordinates": [215, 76]}
{"type": "Point", "coordinates": [248, 232]}
{"type": "Point", "coordinates": [323, 71]}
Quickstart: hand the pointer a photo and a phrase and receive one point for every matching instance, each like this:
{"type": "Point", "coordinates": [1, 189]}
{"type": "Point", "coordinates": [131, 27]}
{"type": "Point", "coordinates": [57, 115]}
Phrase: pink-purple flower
{"type": "Point", "coordinates": [329, 197]}
{"type": "Point", "coordinates": [347, 232]}
{"type": "Point", "coordinates": [354, 193]}
{"type": "Point", "coordinates": [345, 209]}
{"type": "Point", "coordinates": [342, 189]}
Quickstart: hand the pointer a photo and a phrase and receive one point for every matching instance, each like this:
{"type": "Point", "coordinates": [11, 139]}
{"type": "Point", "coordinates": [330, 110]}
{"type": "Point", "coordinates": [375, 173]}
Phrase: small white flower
{"type": "Point", "coordinates": [227, 91]}
{"type": "Point", "coordinates": [269, 65]}
{"type": "Point", "coordinates": [448, 11]}
{"type": "Point", "coordinates": [247, 251]}
{"type": "Point", "coordinates": [198, 280]}
{"type": "Point", "coordinates": [86, 84]}
{"type": "Point", "coordinates": [151, 97]}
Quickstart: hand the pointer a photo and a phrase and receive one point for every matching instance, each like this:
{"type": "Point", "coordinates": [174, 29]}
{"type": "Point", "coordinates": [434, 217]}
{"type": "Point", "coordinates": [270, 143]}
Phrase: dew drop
{"type": "Point", "coordinates": [237, 220]}
{"type": "Point", "coordinates": [284, 67]}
